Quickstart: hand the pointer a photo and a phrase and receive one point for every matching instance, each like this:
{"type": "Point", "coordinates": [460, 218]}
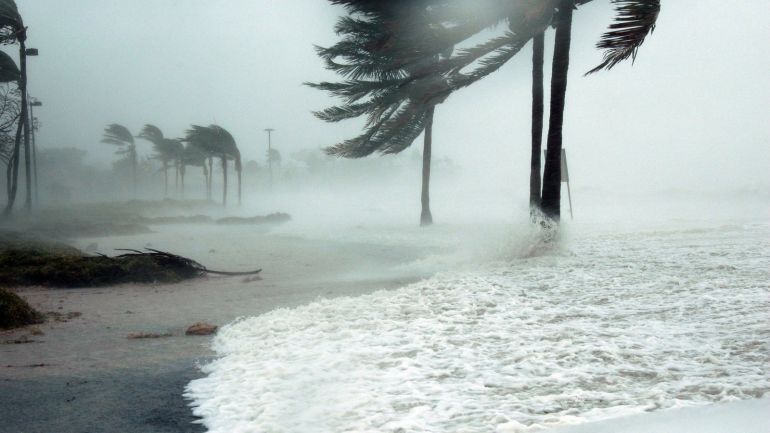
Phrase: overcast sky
{"type": "Point", "coordinates": [691, 113]}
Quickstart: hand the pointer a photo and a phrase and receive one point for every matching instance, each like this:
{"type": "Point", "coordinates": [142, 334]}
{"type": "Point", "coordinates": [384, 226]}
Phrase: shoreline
{"type": "Point", "coordinates": [83, 374]}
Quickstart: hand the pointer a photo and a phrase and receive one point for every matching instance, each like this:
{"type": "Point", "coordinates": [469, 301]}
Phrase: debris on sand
{"type": "Point", "coordinates": [147, 335]}
{"type": "Point", "coordinates": [201, 328]}
{"type": "Point", "coordinates": [273, 218]}
{"type": "Point", "coordinates": [42, 268]}
{"type": "Point", "coordinates": [15, 312]}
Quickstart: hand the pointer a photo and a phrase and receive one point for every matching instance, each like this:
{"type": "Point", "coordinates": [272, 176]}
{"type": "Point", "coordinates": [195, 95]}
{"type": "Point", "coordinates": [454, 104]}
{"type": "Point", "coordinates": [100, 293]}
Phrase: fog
{"type": "Point", "coordinates": [331, 307]}
{"type": "Point", "coordinates": [690, 115]}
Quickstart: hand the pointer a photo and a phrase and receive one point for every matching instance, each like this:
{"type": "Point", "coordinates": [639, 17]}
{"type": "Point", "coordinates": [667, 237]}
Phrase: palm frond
{"type": "Point", "coordinates": [117, 134]}
{"type": "Point", "coordinates": [634, 20]}
{"type": "Point", "coordinates": [9, 72]}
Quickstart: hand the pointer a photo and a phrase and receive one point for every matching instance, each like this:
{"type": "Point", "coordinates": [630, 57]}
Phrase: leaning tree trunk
{"type": "Point", "coordinates": [182, 169]}
{"type": "Point", "coordinates": [211, 179]}
{"type": "Point", "coordinates": [23, 125]}
{"type": "Point", "coordinates": [206, 177]}
{"type": "Point", "coordinates": [239, 169]}
{"type": "Point", "coordinates": [426, 218]}
{"type": "Point", "coordinates": [538, 49]}
{"type": "Point", "coordinates": [551, 202]}
{"type": "Point", "coordinates": [165, 178]}
{"type": "Point", "coordinates": [224, 178]}
{"type": "Point", "coordinates": [13, 167]}
{"type": "Point", "coordinates": [134, 164]}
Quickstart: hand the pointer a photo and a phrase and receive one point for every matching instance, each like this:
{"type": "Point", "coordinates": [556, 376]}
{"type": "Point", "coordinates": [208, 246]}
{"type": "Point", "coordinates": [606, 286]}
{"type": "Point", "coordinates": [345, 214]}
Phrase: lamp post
{"type": "Point", "coordinates": [34, 102]}
{"type": "Point", "coordinates": [26, 52]}
{"type": "Point", "coordinates": [270, 152]}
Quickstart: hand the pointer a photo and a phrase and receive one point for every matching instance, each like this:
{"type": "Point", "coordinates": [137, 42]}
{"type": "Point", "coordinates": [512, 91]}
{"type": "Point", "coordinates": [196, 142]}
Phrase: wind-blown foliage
{"type": "Point", "coordinates": [634, 20]}
{"type": "Point", "coordinates": [11, 23]}
{"type": "Point", "coordinates": [216, 141]}
{"type": "Point", "coordinates": [120, 136]}
{"type": "Point", "coordinates": [9, 72]}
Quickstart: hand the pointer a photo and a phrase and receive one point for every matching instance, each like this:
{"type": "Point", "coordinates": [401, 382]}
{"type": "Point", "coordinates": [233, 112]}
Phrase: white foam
{"type": "Point", "coordinates": [621, 323]}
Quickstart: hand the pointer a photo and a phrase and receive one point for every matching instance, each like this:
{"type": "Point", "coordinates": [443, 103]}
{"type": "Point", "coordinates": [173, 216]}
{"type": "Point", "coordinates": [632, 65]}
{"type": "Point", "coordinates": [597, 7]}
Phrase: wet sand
{"type": "Point", "coordinates": [84, 375]}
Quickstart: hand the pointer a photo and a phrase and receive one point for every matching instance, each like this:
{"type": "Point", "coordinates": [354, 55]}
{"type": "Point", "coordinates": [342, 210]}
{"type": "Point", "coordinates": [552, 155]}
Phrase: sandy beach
{"type": "Point", "coordinates": [84, 375]}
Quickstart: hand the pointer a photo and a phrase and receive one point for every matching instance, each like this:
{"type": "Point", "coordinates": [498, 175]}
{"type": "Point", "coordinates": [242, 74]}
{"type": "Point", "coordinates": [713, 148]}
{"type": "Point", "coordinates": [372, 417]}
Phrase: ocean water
{"type": "Point", "coordinates": [612, 322]}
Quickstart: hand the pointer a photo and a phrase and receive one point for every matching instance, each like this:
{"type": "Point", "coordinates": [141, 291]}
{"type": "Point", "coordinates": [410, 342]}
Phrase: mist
{"type": "Point", "coordinates": [198, 281]}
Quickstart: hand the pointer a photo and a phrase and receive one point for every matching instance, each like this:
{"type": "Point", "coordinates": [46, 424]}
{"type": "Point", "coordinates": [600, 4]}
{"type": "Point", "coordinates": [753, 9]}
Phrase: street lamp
{"type": "Point", "coordinates": [34, 102]}
{"type": "Point", "coordinates": [270, 152]}
{"type": "Point", "coordinates": [31, 51]}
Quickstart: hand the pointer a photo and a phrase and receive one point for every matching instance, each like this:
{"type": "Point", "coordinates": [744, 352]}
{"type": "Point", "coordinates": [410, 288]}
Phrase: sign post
{"type": "Point", "coordinates": [565, 178]}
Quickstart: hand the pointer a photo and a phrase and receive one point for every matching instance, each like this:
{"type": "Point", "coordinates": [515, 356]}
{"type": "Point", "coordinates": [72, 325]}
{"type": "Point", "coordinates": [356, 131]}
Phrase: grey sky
{"type": "Point", "coordinates": [692, 112]}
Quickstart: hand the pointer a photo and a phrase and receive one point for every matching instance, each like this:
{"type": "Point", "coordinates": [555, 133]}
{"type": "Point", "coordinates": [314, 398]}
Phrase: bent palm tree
{"type": "Point", "coordinates": [217, 141]}
{"type": "Point", "coordinates": [398, 96]}
{"type": "Point", "coordinates": [167, 151]}
{"type": "Point", "coordinates": [12, 30]}
{"type": "Point", "coordinates": [120, 136]}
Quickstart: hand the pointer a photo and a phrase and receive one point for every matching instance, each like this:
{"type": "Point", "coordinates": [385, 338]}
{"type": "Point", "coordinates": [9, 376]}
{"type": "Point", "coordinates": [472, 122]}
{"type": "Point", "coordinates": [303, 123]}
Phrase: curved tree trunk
{"type": "Point", "coordinates": [13, 167]}
{"type": "Point", "coordinates": [239, 168]}
{"type": "Point", "coordinates": [426, 218]}
{"type": "Point", "coordinates": [211, 179]}
{"type": "Point", "coordinates": [206, 176]}
{"type": "Point", "coordinates": [134, 164]}
{"type": "Point", "coordinates": [165, 178]}
{"type": "Point", "coordinates": [538, 50]}
{"type": "Point", "coordinates": [224, 177]}
{"type": "Point", "coordinates": [551, 201]}
{"type": "Point", "coordinates": [23, 125]}
{"type": "Point", "coordinates": [182, 169]}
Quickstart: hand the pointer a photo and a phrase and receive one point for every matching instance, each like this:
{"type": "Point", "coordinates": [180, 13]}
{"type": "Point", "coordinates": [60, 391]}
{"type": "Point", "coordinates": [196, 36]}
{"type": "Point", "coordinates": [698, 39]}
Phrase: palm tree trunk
{"type": "Point", "coordinates": [176, 178]}
{"type": "Point", "coordinates": [211, 178]}
{"type": "Point", "coordinates": [13, 167]}
{"type": "Point", "coordinates": [538, 53]}
{"type": "Point", "coordinates": [206, 177]}
{"type": "Point", "coordinates": [165, 178]}
{"type": "Point", "coordinates": [551, 202]}
{"type": "Point", "coordinates": [224, 177]}
{"type": "Point", "coordinates": [13, 164]}
{"type": "Point", "coordinates": [181, 177]}
{"type": "Point", "coordinates": [426, 218]}
{"type": "Point", "coordinates": [239, 168]}
{"type": "Point", "coordinates": [134, 164]}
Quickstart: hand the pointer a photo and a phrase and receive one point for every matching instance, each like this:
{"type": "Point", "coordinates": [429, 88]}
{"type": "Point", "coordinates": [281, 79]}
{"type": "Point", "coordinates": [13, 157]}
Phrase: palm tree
{"type": "Point", "coordinates": [120, 136]}
{"type": "Point", "coordinates": [166, 150]}
{"type": "Point", "coordinates": [385, 65]}
{"type": "Point", "coordinates": [12, 30]}
{"type": "Point", "coordinates": [527, 19]}
{"type": "Point", "coordinates": [217, 142]}
{"type": "Point", "coordinates": [538, 53]}
{"type": "Point", "coordinates": [193, 155]}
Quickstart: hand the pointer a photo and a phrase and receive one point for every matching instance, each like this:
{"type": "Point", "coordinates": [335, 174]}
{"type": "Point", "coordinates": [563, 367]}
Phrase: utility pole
{"type": "Point", "coordinates": [34, 102]}
{"type": "Point", "coordinates": [270, 153]}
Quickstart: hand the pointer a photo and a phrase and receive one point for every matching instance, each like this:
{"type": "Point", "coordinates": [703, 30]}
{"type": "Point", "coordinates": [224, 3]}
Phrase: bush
{"type": "Point", "coordinates": [15, 312]}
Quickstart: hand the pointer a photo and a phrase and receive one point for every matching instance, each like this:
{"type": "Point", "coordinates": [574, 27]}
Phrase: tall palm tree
{"type": "Point", "coordinates": [527, 19]}
{"type": "Point", "coordinates": [538, 54]}
{"type": "Point", "coordinates": [381, 61]}
{"type": "Point", "coordinates": [12, 30]}
{"type": "Point", "coordinates": [120, 136]}
{"type": "Point", "coordinates": [195, 156]}
{"type": "Point", "coordinates": [217, 142]}
{"type": "Point", "coordinates": [165, 150]}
